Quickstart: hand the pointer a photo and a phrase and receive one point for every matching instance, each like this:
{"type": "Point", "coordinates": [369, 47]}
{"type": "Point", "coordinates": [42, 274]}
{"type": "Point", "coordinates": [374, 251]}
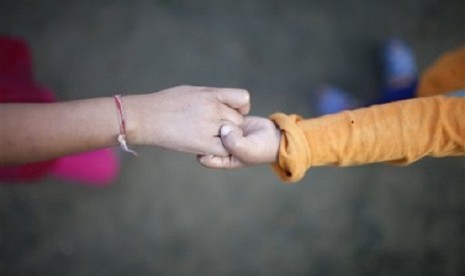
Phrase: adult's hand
{"type": "Point", "coordinates": [256, 142]}
{"type": "Point", "coordinates": [185, 118]}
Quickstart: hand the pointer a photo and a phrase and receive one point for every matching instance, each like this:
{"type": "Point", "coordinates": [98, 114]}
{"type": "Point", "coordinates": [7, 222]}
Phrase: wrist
{"type": "Point", "coordinates": [131, 105]}
{"type": "Point", "coordinates": [277, 135]}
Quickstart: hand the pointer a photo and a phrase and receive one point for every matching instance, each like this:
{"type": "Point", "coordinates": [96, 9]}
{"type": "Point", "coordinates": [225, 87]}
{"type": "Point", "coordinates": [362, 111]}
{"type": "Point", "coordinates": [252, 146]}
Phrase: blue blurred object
{"type": "Point", "coordinates": [457, 94]}
{"type": "Point", "coordinates": [332, 99]}
{"type": "Point", "coordinates": [400, 72]}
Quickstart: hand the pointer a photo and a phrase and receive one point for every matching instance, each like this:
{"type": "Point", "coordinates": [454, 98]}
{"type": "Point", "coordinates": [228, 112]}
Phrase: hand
{"type": "Point", "coordinates": [257, 142]}
{"type": "Point", "coordinates": [185, 118]}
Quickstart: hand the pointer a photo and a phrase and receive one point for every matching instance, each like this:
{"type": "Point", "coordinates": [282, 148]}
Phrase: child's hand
{"type": "Point", "coordinates": [256, 143]}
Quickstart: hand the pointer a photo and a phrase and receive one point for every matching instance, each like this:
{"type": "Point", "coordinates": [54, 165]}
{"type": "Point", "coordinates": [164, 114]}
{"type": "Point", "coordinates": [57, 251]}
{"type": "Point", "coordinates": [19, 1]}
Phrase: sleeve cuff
{"type": "Point", "coordinates": [295, 156]}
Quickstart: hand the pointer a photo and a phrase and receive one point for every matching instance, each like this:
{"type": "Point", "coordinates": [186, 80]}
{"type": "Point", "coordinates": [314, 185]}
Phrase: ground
{"type": "Point", "coordinates": [166, 215]}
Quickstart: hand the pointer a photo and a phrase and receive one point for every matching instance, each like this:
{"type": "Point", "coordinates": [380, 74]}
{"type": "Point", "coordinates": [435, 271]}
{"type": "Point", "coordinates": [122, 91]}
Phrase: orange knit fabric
{"type": "Point", "coordinates": [400, 132]}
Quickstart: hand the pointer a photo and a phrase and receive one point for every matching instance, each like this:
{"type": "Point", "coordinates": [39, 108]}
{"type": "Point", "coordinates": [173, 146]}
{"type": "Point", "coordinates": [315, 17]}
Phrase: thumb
{"type": "Point", "coordinates": [238, 99]}
{"type": "Point", "coordinates": [234, 141]}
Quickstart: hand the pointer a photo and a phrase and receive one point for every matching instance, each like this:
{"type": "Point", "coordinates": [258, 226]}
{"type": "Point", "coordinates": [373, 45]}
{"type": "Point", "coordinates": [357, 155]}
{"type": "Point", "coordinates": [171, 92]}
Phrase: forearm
{"type": "Point", "coordinates": [182, 118]}
{"type": "Point", "coordinates": [35, 132]}
{"type": "Point", "coordinates": [399, 132]}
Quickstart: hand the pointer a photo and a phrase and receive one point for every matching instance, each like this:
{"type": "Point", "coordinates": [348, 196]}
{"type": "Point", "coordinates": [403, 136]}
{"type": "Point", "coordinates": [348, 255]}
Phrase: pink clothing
{"type": "Point", "coordinates": [17, 85]}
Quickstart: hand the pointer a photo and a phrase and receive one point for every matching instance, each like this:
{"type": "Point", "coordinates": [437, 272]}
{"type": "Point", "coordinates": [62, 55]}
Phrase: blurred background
{"type": "Point", "coordinates": [166, 215]}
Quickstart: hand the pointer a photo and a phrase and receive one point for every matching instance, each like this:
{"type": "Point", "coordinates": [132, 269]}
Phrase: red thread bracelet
{"type": "Point", "coordinates": [122, 125]}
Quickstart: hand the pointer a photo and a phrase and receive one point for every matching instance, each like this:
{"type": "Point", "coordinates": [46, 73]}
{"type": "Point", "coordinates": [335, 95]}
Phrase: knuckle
{"type": "Point", "coordinates": [246, 94]}
{"type": "Point", "coordinates": [224, 162]}
{"type": "Point", "coordinates": [233, 116]}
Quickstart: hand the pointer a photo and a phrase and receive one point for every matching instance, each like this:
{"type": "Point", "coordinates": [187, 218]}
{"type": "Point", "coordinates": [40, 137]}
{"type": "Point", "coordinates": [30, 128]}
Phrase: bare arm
{"type": "Point", "coordinates": [183, 118]}
{"type": "Point", "coordinates": [34, 132]}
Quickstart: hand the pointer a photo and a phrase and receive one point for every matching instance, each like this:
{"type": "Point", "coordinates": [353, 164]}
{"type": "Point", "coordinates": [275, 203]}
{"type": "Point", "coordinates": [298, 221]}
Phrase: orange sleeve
{"type": "Point", "coordinates": [399, 132]}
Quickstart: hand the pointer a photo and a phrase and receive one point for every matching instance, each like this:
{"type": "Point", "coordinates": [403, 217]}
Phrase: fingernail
{"type": "Point", "coordinates": [205, 158]}
{"type": "Point", "coordinates": [225, 130]}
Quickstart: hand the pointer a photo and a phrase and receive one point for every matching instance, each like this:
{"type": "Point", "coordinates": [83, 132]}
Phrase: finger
{"type": "Point", "coordinates": [238, 99]}
{"type": "Point", "coordinates": [234, 142]}
{"type": "Point", "coordinates": [216, 147]}
{"type": "Point", "coordinates": [232, 116]}
{"type": "Point", "coordinates": [219, 162]}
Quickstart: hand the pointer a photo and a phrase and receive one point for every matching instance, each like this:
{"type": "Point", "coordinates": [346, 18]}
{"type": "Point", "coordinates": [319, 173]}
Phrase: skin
{"type": "Point", "coordinates": [36, 132]}
{"type": "Point", "coordinates": [256, 142]}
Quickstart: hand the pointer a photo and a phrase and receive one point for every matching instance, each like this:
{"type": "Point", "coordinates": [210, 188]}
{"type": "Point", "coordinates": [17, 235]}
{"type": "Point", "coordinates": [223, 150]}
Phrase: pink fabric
{"type": "Point", "coordinates": [97, 168]}
{"type": "Point", "coordinates": [15, 60]}
{"type": "Point", "coordinates": [17, 85]}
